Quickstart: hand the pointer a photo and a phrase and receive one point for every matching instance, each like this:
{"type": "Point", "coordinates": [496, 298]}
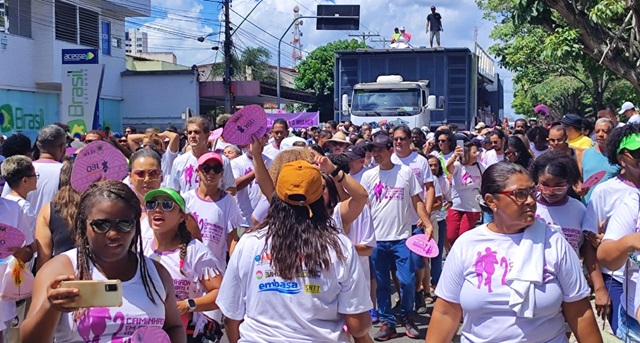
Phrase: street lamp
{"type": "Point", "coordinates": [202, 38]}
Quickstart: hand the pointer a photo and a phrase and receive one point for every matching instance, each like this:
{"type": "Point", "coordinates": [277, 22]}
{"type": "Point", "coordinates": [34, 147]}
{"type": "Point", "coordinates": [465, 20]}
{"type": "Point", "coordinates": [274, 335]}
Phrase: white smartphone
{"type": "Point", "coordinates": [460, 143]}
{"type": "Point", "coordinates": [96, 293]}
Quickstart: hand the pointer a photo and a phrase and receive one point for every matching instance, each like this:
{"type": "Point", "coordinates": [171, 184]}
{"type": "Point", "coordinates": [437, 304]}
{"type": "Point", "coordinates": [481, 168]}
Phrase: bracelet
{"type": "Point", "coordinates": [343, 176]}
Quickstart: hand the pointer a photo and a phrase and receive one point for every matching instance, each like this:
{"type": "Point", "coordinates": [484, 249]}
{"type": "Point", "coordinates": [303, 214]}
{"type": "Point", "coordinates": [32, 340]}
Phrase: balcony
{"type": "Point", "coordinates": [128, 8]}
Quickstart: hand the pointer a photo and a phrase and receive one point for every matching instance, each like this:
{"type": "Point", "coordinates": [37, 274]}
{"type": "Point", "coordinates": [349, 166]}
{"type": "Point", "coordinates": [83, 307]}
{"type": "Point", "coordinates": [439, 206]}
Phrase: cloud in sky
{"type": "Point", "coordinates": [271, 18]}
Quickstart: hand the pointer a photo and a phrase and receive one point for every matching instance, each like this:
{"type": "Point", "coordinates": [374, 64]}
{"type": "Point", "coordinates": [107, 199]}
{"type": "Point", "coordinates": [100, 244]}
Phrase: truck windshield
{"type": "Point", "coordinates": [398, 101]}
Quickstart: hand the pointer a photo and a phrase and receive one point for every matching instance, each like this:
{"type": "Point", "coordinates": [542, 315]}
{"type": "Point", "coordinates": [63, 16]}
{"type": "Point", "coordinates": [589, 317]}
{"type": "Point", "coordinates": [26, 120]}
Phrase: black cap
{"type": "Point", "coordinates": [433, 7]}
{"type": "Point", "coordinates": [355, 152]}
{"type": "Point", "coordinates": [381, 141]}
{"type": "Point", "coordinates": [571, 119]}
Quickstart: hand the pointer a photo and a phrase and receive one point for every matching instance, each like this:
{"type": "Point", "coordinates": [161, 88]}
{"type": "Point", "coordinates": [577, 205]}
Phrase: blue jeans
{"type": "Point", "coordinates": [436, 262]}
{"type": "Point", "coordinates": [418, 261]}
{"type": "Point", "coordinates": [386, 254]}
{"type": "Point", "coordinates": [615, 293]}
{"type": "Point", "coordinates": [628, 327]}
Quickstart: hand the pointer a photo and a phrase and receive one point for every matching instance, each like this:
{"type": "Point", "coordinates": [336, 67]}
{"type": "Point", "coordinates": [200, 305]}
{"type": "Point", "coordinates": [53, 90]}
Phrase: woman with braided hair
{"type": "Point", "coordinates": [107, 235]}
{"type": "Point", "coordinates": [195, 271]}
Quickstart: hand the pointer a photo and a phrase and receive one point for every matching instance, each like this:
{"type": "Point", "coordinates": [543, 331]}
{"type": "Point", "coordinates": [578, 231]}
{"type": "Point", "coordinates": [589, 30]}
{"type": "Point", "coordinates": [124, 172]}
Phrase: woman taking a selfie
{"type": "Point", "coordinates": [195, 271]}
{"type": "Point", "coordinates": [107, 234]}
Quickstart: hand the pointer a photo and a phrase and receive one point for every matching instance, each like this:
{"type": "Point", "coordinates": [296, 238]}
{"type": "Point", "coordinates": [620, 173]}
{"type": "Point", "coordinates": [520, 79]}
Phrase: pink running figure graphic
{"type": "Point", "coordinates": [94, 321]}
{"type": "Point", "coordinates": [378, 189]}
{"type": "Point", "coordinates": [505, 265]}
{"type": "Point", "coordinates": [485, 264]}
{"type": "Point", "coordinates": [188, 174]}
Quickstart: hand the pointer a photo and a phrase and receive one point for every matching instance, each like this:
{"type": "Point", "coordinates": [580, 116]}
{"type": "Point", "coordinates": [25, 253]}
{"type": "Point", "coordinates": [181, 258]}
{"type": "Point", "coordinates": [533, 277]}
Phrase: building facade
{"type": "Point", "coordinates": [32, 36]}
{"type": "Point", "coordinates": [136, 42]}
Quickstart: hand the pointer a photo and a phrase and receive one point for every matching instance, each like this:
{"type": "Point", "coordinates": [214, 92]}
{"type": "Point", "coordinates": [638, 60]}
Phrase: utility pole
{"type": "Point", "coordinates": [364, 36]}
{"type": "Point", "coordinates": [227, 58]}
{"type": "Point", "coordinates": [383, 41]}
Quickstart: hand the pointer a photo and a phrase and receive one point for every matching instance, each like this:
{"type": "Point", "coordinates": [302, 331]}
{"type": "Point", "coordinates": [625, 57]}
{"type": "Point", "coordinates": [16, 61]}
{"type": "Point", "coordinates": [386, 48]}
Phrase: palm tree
{"type": "Point", "coordinates": [257, 59]}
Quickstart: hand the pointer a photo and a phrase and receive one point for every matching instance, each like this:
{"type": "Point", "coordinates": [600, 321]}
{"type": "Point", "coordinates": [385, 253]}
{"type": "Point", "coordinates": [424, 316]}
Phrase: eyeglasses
{"type": "Point", "coordinates": [207, 168]}
{"type": "Point", "coordinates": [102, 226]}
{"type": "Point", "coordinates": [165, 205]}
{"type": "Point", "coordinates": [400, 139]}
{"type": "Point", "coordinates": [512, 153]}
{"type": "Point", "coordinates": [152, 174]}
{"type": "Point", "coordinates": [520, 195]}
{"type": "Point", "coordinates": [32, 175]}
{"type": "Point", "coordinates": [89, 141]}
{"type": "Point", "coordinates": [634, 153]}
{"type": "Point", "coordinates": [553, 190]}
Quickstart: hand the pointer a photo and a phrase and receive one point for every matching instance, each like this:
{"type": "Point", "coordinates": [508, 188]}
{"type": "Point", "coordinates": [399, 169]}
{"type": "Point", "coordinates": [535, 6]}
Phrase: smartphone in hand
{"type": "Point", "coordinates": [96, 293]}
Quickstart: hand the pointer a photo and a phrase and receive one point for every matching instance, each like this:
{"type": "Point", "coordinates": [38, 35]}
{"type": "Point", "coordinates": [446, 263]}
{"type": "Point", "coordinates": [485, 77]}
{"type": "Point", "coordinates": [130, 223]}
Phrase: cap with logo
{"type": "Point", "coordinates": [299, 184]}
{"type": "Point", "coordinates": [571, 119]}
{"type": "Point", "coordinates": [168, 192]}
{"type": "Point", "coordinates": [630, 142]}
{"type": "Point", "coordinates": [626, 106]}
{"type": "Point", "coordinates": [209, 157]}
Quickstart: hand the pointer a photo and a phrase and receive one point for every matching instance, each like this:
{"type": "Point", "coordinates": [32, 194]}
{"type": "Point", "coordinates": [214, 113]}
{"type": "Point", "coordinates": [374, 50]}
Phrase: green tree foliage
{"type": "Point", "coordinates": [548, 53]}
{"type": "Point", "coordinates": [316, 72]}
{"type": "Point", "coordinates": [255, 60]}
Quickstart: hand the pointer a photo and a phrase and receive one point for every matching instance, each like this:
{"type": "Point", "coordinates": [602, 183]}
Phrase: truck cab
{"type": "Point", "coordinates": [392, 99]}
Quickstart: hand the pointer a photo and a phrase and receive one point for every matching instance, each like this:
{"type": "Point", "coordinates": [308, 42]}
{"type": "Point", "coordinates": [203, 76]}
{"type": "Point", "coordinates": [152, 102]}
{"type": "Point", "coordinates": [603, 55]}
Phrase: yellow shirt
{"type": "Point", "coordinates": [582, 142]}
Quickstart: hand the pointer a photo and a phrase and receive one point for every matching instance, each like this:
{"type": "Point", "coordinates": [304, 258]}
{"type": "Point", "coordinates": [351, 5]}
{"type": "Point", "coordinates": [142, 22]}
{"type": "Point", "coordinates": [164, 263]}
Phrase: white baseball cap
{"type": "Point", "coordinates": [401, 28]}
{"type": "Point", "coordinates": [626, 106]}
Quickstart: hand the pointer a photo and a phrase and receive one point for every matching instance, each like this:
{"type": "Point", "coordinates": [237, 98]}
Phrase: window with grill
{"type": "Point", "coordinates": [66, 22]}
{"type": "Point", "coordinates": [89, 28]}
{"type": "Point", "coordinates": [15, 17]}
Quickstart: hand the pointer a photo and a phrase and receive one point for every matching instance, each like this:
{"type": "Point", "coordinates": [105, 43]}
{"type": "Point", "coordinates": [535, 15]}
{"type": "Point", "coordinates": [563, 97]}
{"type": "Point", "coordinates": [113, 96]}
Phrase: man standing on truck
{"type": "Point", "coordinates": [434, 22]}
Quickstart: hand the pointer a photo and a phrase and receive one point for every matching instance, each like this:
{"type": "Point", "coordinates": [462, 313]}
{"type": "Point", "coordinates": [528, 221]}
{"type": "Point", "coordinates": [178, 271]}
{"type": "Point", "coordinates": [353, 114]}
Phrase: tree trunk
{"type": "Point", "coordinates": [595, 41]}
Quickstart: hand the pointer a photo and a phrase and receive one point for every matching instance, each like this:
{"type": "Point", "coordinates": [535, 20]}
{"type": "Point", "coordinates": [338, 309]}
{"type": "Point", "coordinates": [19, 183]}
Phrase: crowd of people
{"type": "Point", "coordinates": [300, 236]}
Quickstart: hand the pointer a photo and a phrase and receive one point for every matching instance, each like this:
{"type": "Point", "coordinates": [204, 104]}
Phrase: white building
{"type": "Point", "coordinates": [35, 32]}
{"type": "Point", "coordinates": [136, 42]}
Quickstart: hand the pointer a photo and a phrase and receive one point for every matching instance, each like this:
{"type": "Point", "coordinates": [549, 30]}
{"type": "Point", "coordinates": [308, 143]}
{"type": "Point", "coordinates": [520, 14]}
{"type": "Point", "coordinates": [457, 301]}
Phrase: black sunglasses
{"type": "Point", "coordinates": [103, 226]}
{"type": "Point", "coordinates": [165, 205]}
{"type": "Point", "coordinates": [207, 168]}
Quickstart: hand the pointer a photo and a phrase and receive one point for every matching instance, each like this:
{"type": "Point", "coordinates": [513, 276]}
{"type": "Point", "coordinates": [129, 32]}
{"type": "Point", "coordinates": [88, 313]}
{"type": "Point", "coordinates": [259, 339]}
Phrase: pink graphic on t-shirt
{"type": "Point", "coordinates": [247, 171]}
{"type": "Point", "coordinates": [93, 324]}
{"type": "Point", "coordinates": [378, 189]}
{"type": "Point", "coordinates": [485, 264]}
{"type": "Point", "coordinates": [188, 174]}
{"type": "Point", "coordinates": [505, 265]}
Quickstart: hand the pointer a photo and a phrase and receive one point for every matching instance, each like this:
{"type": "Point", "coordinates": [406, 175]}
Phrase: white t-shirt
{"type": "Point", "coordinates": [48, 172]}
{"type": "Point", "coordinates": [605, 198]}
{"type": "Point", "coordinates": [491, 158]}
{"type": "Point", "coordinates": [390, 193]}
{"type": "Point", "coordinates": [12, 214]}
{"type": "Point", "coordinates": [358, 176]}
{"type": "Point", "coordinates": [29, 215]}
{"type": "Point", "coordinates": [624, 221]}
{"type": "Point", "coordinates": [249, 196]}
{"type": "Point", "coordinates": [568, 216]}
{"type": "Point", "coordinates": [474, 277]}
{"type": "Point", "coordinates": [216, 220]}
{"type": "Point", "coordinates": [465, 187]}
{"type": "Point", "coordinates": [305, 309]}
{"type": "Point", "coordinates": [360, 232]}
{"type": "Point", "coordinates": [536, 152]}
{"type": "Point", "coordinates": [420, 167]}
{"type": "Point", "coordinates": [634, 119]}
{"type": "Point", "coordinates": [166, 164]}
{"type": "Point", "coordinates": [220, 146]}
{"type": "Point", "coordinates": [261, 210]}
{"type": "Point", "coordinates": [184, 174]}
{"type": "Point", "coordinates": [115, 324]}
{"type": "Point", "coordinates": [271, 151]}
{"type": "Point", "coordinates": [445, 189]}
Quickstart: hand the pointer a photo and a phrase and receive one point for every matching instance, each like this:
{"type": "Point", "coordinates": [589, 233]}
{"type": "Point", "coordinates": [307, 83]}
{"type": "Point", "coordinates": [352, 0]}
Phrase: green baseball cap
{"type": "Point", "coordinates": [168, 192]}
{"type": "Point", "coordinates": [630, 142]}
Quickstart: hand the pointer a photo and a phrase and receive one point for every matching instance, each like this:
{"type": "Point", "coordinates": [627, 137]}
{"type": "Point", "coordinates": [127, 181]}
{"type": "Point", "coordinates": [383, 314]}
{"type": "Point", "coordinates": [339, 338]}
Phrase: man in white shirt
{"type": "Point", "coordinates": [249, 193]}
{"type": "Point", "coordinates": [279, 131]}
{"type": "Point", "coordinates": [498, 140]}
{"type": "Point", "coordinates": [393, 189]}
{"type": "Point", "coordinates": [183, 173]}
{"type": "Point", "coordinates": [52, 143]}
{"type": "Point", "coordinates": [629, 111]}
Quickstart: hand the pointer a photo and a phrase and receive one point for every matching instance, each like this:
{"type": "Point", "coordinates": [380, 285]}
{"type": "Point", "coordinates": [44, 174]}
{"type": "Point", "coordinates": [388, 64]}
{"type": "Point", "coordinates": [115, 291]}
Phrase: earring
{"type": "Point", "coordinates": [495, 209]}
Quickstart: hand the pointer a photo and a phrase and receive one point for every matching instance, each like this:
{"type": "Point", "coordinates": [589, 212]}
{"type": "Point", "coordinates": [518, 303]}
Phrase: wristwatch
{"type": "Point", "coordinates": [192, 305]}
{"type": "Point", "coordinates": [335, 172]}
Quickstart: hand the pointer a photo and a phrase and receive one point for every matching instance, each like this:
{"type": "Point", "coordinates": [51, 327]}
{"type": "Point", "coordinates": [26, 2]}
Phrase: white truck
{"type": "Point", "coordinates": [392, 99]}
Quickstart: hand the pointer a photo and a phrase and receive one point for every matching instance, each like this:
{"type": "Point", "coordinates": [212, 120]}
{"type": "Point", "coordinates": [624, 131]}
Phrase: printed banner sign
{"type": "Point", "coordinates": [299, 120]}
{"type": "Point", "coordinates": [81, 85]}
{"type": "Point", "coordinates": [105, 42]}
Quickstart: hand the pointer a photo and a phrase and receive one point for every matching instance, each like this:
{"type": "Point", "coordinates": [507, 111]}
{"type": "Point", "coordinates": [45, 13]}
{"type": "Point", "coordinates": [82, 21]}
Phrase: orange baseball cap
{"type": "Point", "coordinates": [299, 184]}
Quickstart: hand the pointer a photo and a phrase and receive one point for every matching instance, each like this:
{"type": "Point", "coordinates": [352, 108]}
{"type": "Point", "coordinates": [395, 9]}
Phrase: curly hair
{"type": "Point", "coordinates": [110, 191]}
{"type": "Point", "coordinates": [300, 244]}
{"type": "Point", "coordinates": [341, 161]}
{"type": "Point", "coordinates": [558, 164]}
{"type": "Point", "coordinates": [67, 199]}
{"type": "Point", "coordinates": [615, 138]}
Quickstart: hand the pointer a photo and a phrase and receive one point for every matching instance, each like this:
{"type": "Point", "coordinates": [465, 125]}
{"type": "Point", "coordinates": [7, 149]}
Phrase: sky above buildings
{"type": "Point", "coordinates": [176, 24]}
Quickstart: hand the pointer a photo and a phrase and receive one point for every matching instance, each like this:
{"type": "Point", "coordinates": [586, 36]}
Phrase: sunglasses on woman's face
{"type": "Point", "coordinates": [102, 226]}
{"type": "Point", "coordinates": [207, 168]}
{"type": "Point", "coordinates": [152, 174]}
{"type": "Point", "coordinates": [165, 205]}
